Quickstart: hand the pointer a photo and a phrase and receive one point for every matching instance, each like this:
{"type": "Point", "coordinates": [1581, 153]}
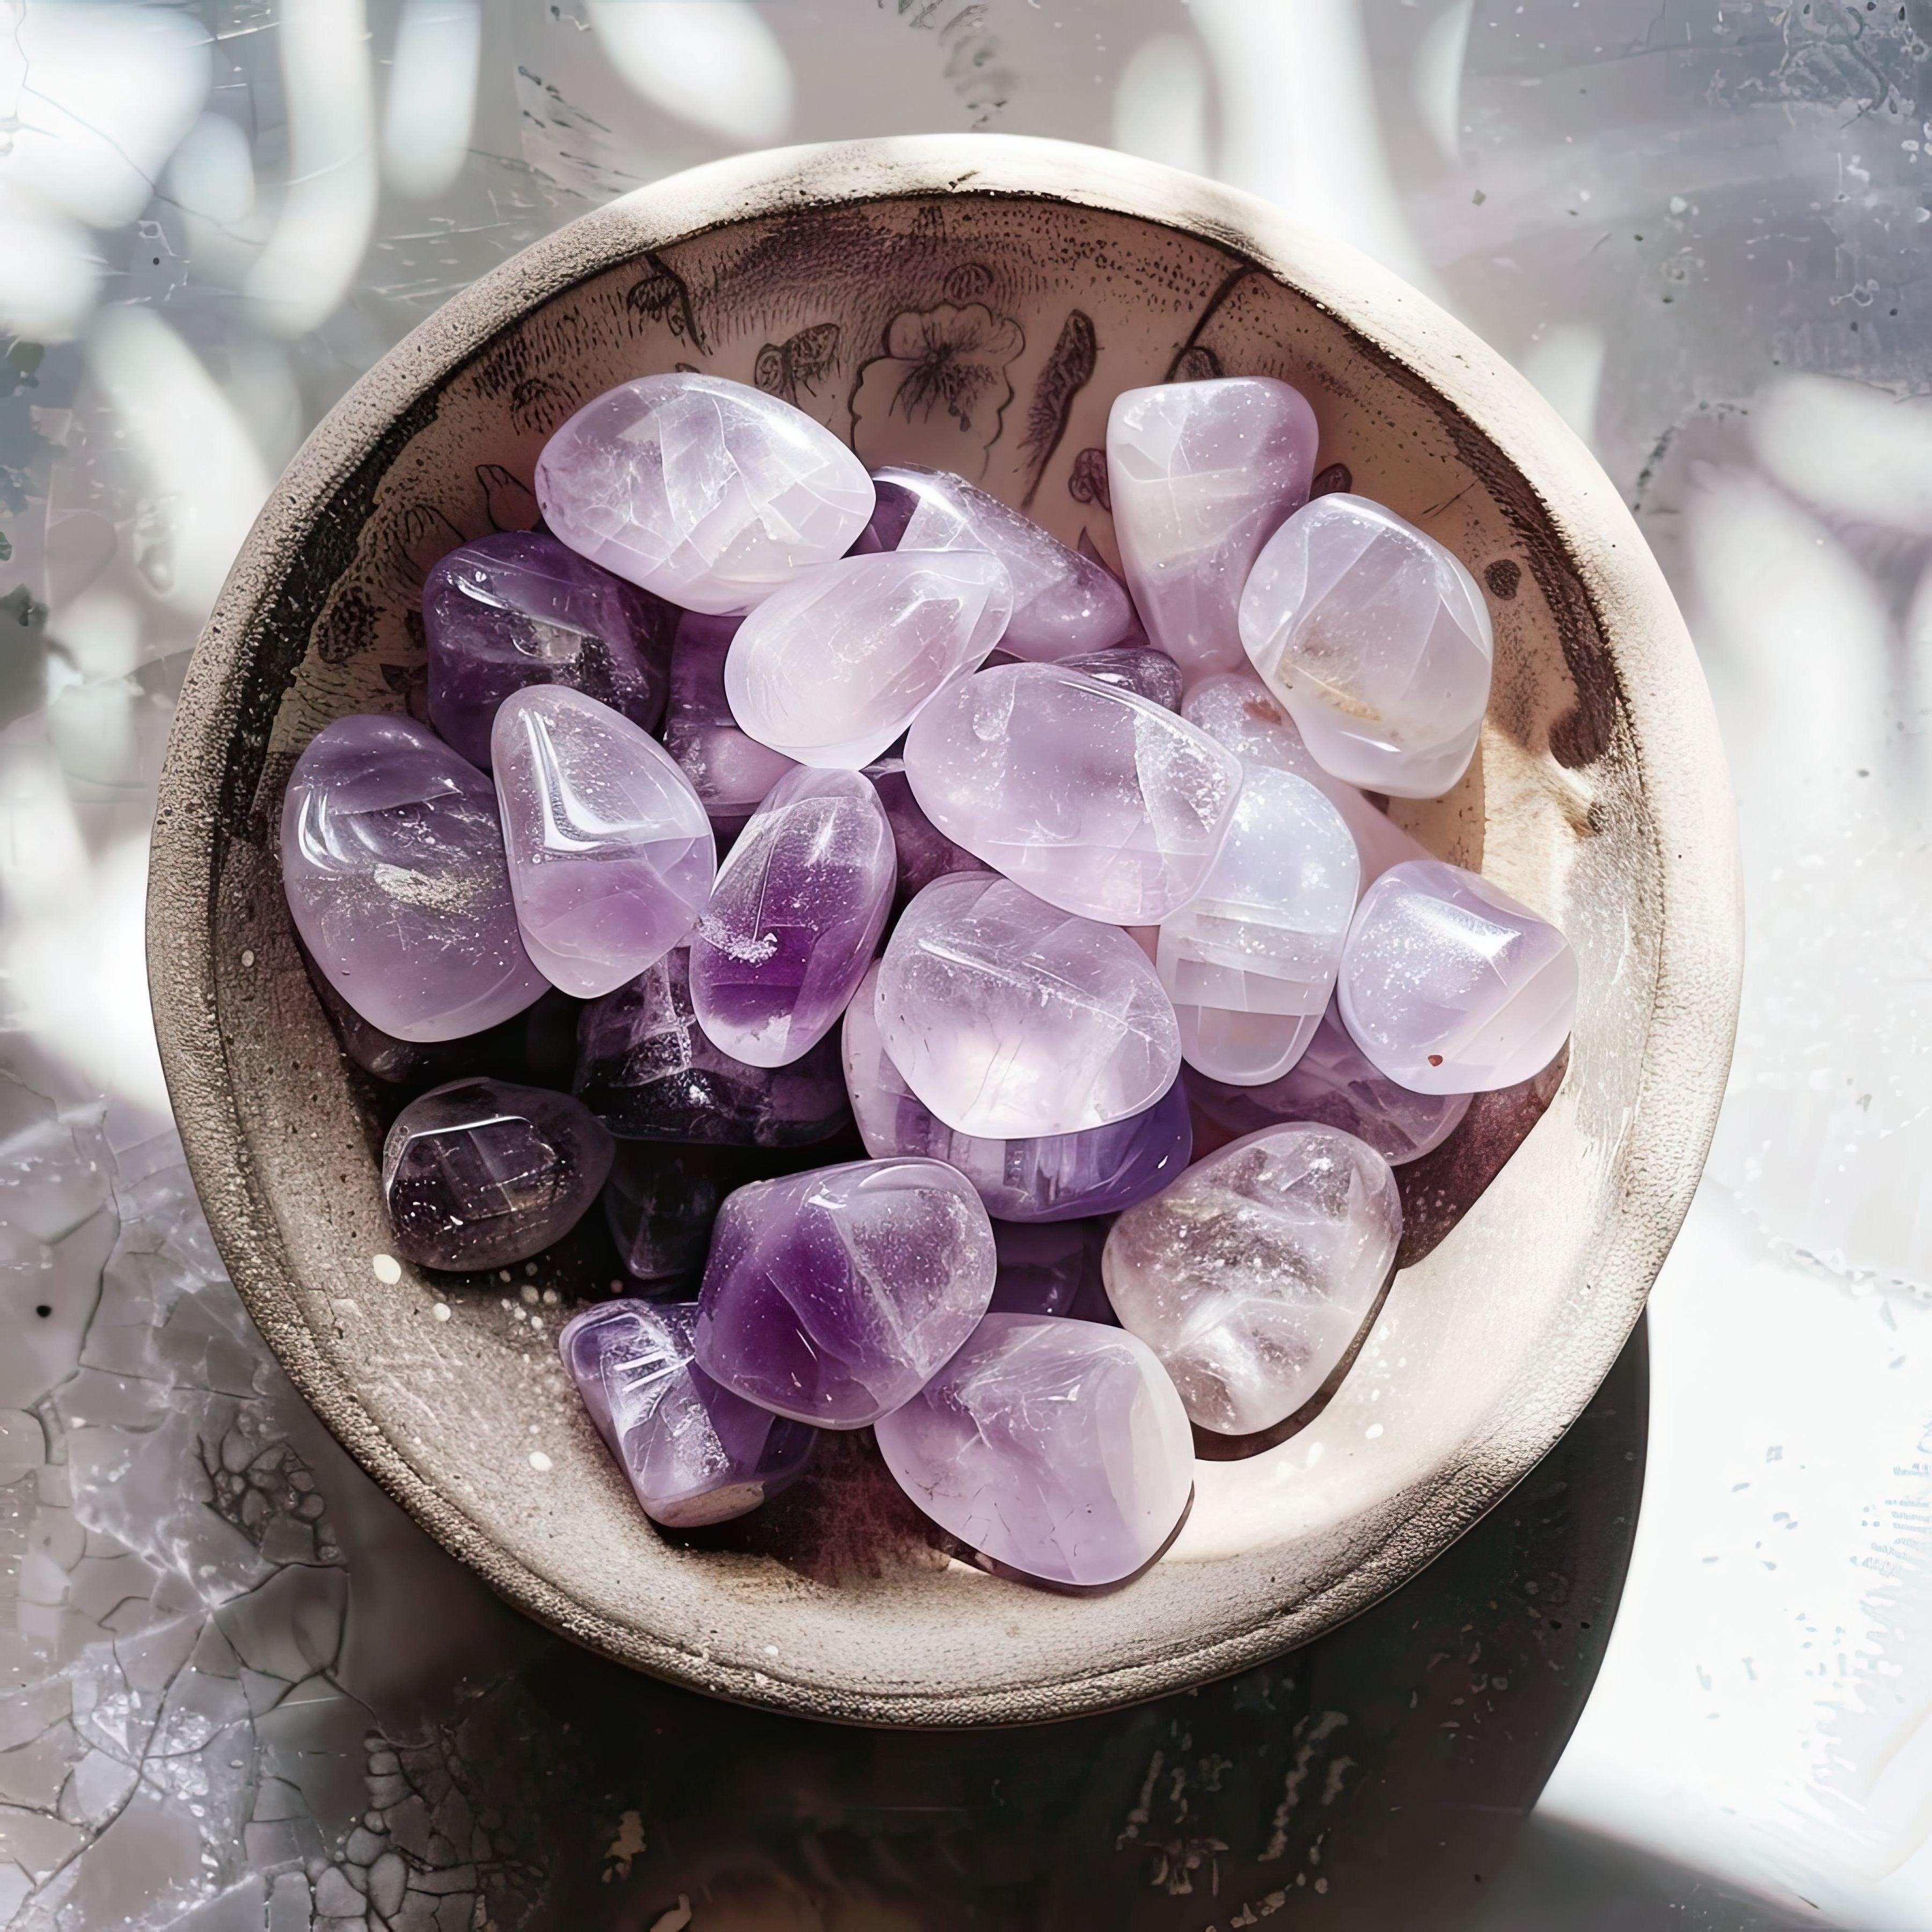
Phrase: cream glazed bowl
{"type": "Point", "coordinates": [974, 303]}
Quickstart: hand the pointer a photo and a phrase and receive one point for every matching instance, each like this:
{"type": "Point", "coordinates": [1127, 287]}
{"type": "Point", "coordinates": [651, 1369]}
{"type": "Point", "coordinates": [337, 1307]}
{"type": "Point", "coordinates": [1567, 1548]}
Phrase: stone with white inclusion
{"type": "Point", "coordinates": [1251, 1274]}
{"type": "Point", "coordinates": [799, 906]}
{"type": "Point", "coordinates": [1055, 1177]}
{"type": "Point", "coordinates": [1377, 640]}
{"type": "Point", "coordinates": [1056, 1448]}
{"type": "Point", "coordinates": [833, 1297]}
{"type": "Point", "coordinates": [1250, 963]}
{"type": "Point", "coordinates": [1011, 1019]}
{"type": "Point", "coordinates": [1449, 985]}
{"type": "Point", "coordinates": [1200, 475]}
{"type": "Point", "coordinates": [710, 492]}
{"type": "Point", "coordinates": [832, 669]}
{"type": "Point", "coordinates": [692, 1452]}
{"type": "Point", "coordinates": [1062, 602]}
{"type": "Point", "coordinates": [1333, 1085]}
{"type": "Point", "coordinates": [1091, 797]}
{"type": "Point", "coordinates": [730, 772]}
{"type": "Point", "coordinates": [611, 856]}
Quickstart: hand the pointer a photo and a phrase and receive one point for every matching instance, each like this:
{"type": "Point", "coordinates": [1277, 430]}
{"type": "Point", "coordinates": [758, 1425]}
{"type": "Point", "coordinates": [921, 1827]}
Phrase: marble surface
{"type": "Point", "coordinates": [241, 1694]}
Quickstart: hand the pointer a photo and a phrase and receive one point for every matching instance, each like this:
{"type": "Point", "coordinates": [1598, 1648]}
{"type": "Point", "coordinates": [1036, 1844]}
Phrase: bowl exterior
{"type": "Point", "coordinates": [970, 303]}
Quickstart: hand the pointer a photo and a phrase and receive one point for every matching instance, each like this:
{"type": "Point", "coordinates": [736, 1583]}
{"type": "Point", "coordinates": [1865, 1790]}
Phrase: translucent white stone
{"type": "Point", "coordinates": [833, 667]}
{"type": "Point", "coordinates": [1377, 640]}
{"type": "Point", "coordinates": [1200, 475]}
{"type": "Point", "coordinates": [1449, 985]}
{"type": "Point", "coordinates": [1090, 795]}
{"type": "Point", "coordinates": [1010, 1019]}
{"type": "Point", "coordinates": [1055, 1447]}
{"type": "Point", "coordinates": [1062, 602]}
{"type": "Point", "coordinates": [1250, 962]}
{"type": "Point", "coordinates": [1250, 1275]}
{"type": "Point", "coordinates": [1235, 708]}
{"type": "Point", "coordinates": [708, 492]}
{"type": "Point", "coordinates": [611, 856]}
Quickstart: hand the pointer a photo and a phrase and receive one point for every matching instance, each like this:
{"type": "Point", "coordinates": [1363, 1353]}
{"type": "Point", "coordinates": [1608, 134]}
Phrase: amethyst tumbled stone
{"type": "Point", "coordinates": [1055, 1447]}
{"type": "Point", "coordinates": [833, 1297]}
{"type": "Point", "coordinates": [480, 1174]}
{"type": "Point", "coordinates": [694, 1453]}
{"type": "Point", "coordinates": [729, 771]}
{"type": "Point", "coordinates": [518, 608]}
{"type": "Point", "coordinates": [392, 859]}
{"type": "Point", "coordinates": [661, 1200]}
{"type": "Point", "coordinates": [1139, 668]}
{"type": "Point", "coordinates": [798, 908]}
{"type": "Point", "coordinates": [646, 1068]}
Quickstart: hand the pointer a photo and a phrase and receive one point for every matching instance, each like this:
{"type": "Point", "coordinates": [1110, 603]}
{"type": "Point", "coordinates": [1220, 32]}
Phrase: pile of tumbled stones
{"type": "Point", "coordinates": [1008, 844]}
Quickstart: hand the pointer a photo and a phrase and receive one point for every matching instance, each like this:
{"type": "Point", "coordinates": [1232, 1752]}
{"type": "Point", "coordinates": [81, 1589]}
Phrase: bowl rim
{"type": "Point", "coordinates": [1661, 695]}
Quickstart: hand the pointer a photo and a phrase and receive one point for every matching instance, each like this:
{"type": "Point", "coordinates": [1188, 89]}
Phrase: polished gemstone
{"type": "Point", "coordinates": [392, 859]}
{"type": "Point", "coordinates": [611, 856]}
{"type": "Point", "coordinates": [1062, 602]}
{"type": "Point", "coordinates": [1139, 668]}
{"type": "Point", "coordinates": [1250, 962]}
{"type": "Point", "coordinates": [1377, 640]}
{"type": "Point", "coordinates": [520, 608]}
{"type": "Point", "coordinates": [710, 492]}
{"type": "Point", "coordinates": [1201, 474]}
{"type": "Point", "coordinates": [1056, 1177]}
{"type": "Point", "coordinates": [1235, 708]}
{"type": "Point", "coordinates": [1251, 1275]}
{"type": "Point", "coordinates": [661, 1201]}
{"type": "Point", "coordinates": [1051, 1267]}
{"type": "Point", "coordinates": [1089, 795]}
{"type": "Point", "coordinates": [1057, 1449]}
{"type": "Point", "coordinates": [831, 669]}
{"type": "Point", "coordinates": [1449, 985]}
{"type": "Point", "coordinates": [480, 1174]}
{"type": "Point", "coordinates": [833, 1296]}
{"type": "Point", "coordinates": [694, 1453]}
{"type": "Point", "coordinates": [646, 1068]}
{"type": "Point", "coordinates": [730, 772]}
{"type": "Point", "coordinates": [925, 852]}
{"type": "Point", "coordinates": [1010, 1019]}
{"type": "Point", "coordinates": [799, 907]}
{"type": "Point", "coordinates": [1332, 1085]}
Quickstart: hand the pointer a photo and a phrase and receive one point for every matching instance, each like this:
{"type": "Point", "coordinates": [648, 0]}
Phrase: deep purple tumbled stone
{"type": "Point", "coordinates": [519, 608]}
{"type": "Point", "coordinates": [694, 1453]}
{"type": "Point", "coordinates": [645, 1068]}
{"type": "Point", "coordinates": [833, 1296]}
{"type": "Point", "coordinates": [480, 1174]}
{"type": "Point", "coordinates": [797, 909]}
{"type": "Point", "coordinates": [1051, 1267]}
{"type": "Point", "coordinates": [1152, 674]}
{"type": "Point", "coordinates": [392, 860]}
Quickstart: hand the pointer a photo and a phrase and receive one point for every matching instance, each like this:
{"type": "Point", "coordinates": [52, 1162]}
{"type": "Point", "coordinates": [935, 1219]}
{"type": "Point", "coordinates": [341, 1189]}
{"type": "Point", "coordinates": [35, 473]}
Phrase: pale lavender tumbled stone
{"type": "Point", "coordinates": [1449, 985]}
{"type": "Point", "coordinates": [1091, 797]}
{"type": "Point", "coordinates": [729, 771]}
{"type": "Point", "coordinates": [710, 492]}
{"type": "Point", "coordinates": [830, 670]}
{"type": "Point", "coordinates": [1250, 1275]}
{"type": "Point", "coordinates": [611, 856]}
{"type": "Point", "coordinates": [1333, 1085]}
{"type": "Point", "coordinates": [1062, 602]}
{"type": "Point", "coordinates": [1055, 1177]}
{"type": "Point", "coordinates": [692, 1452]}
{"type": "Point", "coordinates": [1139, 668]}
{"type": "Point", "coordinates": [925, 852]}
{"type": "Point", "coordinates": [1236, 709]}
{"type": "Point", "coordinates": [520, 608]}
{"type": "Point", "coordinates": [1200, 475]}
{"type": "Point", "coordinates": [799, 906]}
{"type": "Point", "coordinates": [1377, 640]}
{"type": "Point", "coordinates": [392, 860]}
{"type": "Point", "coordinates": [1011, 1020]}
{"type": "Point", "coordinates": [1051, 1267]}
{"type": "Point", "coordinates": [1056, 1448]}
{"type": "Point", "coordinates": [1250, 963]}
{"type": "Point", "coordinates": [833, 1297]}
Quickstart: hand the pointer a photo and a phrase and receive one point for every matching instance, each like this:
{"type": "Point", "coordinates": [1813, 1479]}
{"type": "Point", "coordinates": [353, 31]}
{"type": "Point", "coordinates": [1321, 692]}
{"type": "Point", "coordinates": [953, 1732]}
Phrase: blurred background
{"type": "Point", "coordinates": [239, 1693]}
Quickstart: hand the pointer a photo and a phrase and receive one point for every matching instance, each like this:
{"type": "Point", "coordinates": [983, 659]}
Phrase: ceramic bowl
{"type": "Point", "coordinates": [972, 303]}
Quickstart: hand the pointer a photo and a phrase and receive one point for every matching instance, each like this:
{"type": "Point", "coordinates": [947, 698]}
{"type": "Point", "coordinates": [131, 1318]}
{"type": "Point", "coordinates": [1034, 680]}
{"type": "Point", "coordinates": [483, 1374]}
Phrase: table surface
{"type": "Point", "coordinates": [239, 1689]}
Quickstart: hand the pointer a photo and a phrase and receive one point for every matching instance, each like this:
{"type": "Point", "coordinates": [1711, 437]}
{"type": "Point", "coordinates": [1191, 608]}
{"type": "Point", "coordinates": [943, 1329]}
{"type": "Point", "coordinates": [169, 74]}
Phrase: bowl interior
{"type": "Point", "coordinates": [985, 334]}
